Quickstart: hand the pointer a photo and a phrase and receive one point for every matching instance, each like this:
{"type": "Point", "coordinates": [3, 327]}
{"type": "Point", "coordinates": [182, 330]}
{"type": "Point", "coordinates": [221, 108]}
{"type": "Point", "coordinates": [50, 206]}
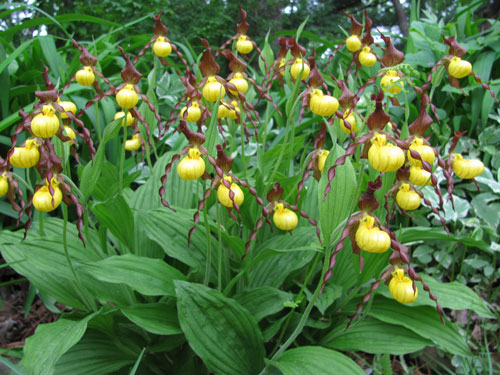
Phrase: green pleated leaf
{"type": "Point", "coordinates": [170, 230]}
{"type": "Point", "coordinates": [452, 295]}
{"type": "Point", "coordinates": [423, 320]}
{"type": "Point", "coordinates": [50, 342]}
{"type": "Point", "coordinates": [95, 354]}
{"type": "Point", "coordinates": [376, 337]}
{"type": "Point", "coordinates": [338, 202]}
{"type": "Point", "coordinates": [315, 360]}
{"type": "Point", "coordinates": [282, 255]}
{"type": "Point", "coordinates": [223, 333]}
{"type": "Point", "coordinates": [92, 170]}
{"type": "Point", "coordinates": [56, 63]}
{"type": "Point", "coordinates": [156, 318]}
{"type": "Point", "coordinates": [264, 301]}
{"type": "Point", "coordinates": [151, 277]}
{"type": "Point", "coordinates": [116, 215]}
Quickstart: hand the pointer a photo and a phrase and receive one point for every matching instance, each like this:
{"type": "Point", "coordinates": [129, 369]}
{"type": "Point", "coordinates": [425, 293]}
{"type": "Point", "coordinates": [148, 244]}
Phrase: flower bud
{"type": "Point", "coordinates": [191, 167]}
{"type": "Point", "coordinates": [223, 194]}
{"type": "Point", "coordinates": [385, 157]}
{"type": "Point", "coordinates": [366, 57]}
{"type": "Point", "coordinates": [4, 185]}
{"type": "Point", "coordinates": [407, 199]}
{"type": "Point", "coordinates": [459, 68]}
{"type": "Point", "coordinates": [466, 169]}
{"type": "Point", "coordinates": [323, 155]}
{"type": "Point", "coordinates": [370, 238]}
{"type": "Point", "coordinates": [391, 82]}
{"type": "Point", "coordinates": [353, 43]}
{"type": "Point", "coordinates": [45, 124]}
{"type": "Point", "coordinates": [26, 156]}
{"type": "Point", "coordinates": [133, 144]}
{"type": "Point", "coordinates": [130, 118]}
{"type": "Point", "coordinates": [419, 176]}
{"type": "Point", "coordinates": [213, 90]}
{"type": "Point", "coordinates": [401, 287]}
{"type": "Point", "coordinates": [193, 112]}
{"type": "Point", "coordinates": [44, 201]}
{"type": "Point", "coordinates": [127, 98]}
{"type": "Point", "coordinates": [298, 66]}
{"type": "Point", "coordinates": [323, 105]}
{"type": "Point", "coordinates": [244, 45]}
{"type": "Point", "coordinates": [85, 76]}
{"type": "Point", "coordinates": [284, 218]}
{"type": "Point", "coordinates": [161, 47]}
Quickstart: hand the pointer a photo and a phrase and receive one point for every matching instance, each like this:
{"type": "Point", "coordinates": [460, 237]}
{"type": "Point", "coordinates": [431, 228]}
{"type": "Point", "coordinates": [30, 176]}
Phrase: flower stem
{"type": "Point", "coordinates": [220, 252]}
{"type": "Point", "coordinates": [89, 304]}
{"type": "Point", "coordinates": [122, 155]}
{"type": "Point", "coordinates": [208, 265]}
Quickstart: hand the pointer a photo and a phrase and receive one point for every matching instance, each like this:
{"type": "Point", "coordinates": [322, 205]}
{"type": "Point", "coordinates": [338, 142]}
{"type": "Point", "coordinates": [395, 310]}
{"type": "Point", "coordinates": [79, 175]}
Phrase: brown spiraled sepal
{"type": "Point", "coordinates": [159, 29]}
{"type": "Point", "coordinates": [455, 48]}
{"type": "Point", "coordinates": [224, 162]}
{"type": "Point", "coordinates": [244, 25]}
{"type": "Point", "coordinates": [283, 41]}
{"type": "Point", "coordinates": [422, 122]}
{"type": "Point", "coordinates": [315, 77]}
{"type": "Point", "coordinates": [194, 138]}
{"type": "Point", "coordinates": [403, 174]}
{"type": "Point", "coordinates": [129, 73]}
{"type": "Point", "coordinates": [275, 193]}
{"type": "Point", "coordinates": [236, 65]}
{"type": "Point", "coordinates": [367, 201]}
{"type": "Point", "coordinates": [86, 58]}
{"type": "Point", "coordinates": [208, 65]}
{"type": "Point", "coordinates": [356, 27]}
{"type": "Point", "coordinates": [392, 55]}
{"type": "Point", "coordinates": [378, 119]}
{"type": "Point", "coordinates": [48, 96]}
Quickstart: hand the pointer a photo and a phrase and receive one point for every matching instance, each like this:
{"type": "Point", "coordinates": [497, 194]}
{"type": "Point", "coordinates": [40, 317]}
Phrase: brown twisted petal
{"type": "Point", "coordinates": [47, 96]}
{"type": "Point", "coordinates": [367, 201]}
{"type": "Point", "coordinates": [275, 193]}
{"type": "Point", "coordinates": [195, 139]}
{"type": "Point", "coordinates": [244, 25]}
{"type": "Point", "coordinates": [129, 72]}
{"type": "Point", "coordinates": [392, 56]}
{"type": "Point", "coordinates": [235, 64]}
{"type": "Point", "coordinates": [456, 136]}
{"type": "Point", "coordinates": [48, 82]}
{"type": "Point", "coordinates": [159, 29]}
{"type": "Point", "coordinates": [208, 65]}
{"type": "Point", "coordinates": [315, 77]}
{"type": "Point", "coordinates": [455, 48]}
{"type": "Point", "coordinates": [378, 119]}
{"type": "Point", "coordinates": [223, 161]}
{"type": "Point", "coordinates": [356, 27]}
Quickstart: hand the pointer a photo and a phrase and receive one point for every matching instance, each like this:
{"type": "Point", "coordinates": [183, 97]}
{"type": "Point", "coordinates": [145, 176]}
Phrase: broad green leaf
{"type": "Point", "coordinates": [487, 206]}
{"type": "Point", "coordinates": [93, 168]}
{"type": "Point", "coordinates": [94, 354]}
{"type": "Point", "coordinates": [339, 201]}
{"type": "Point", "coordinates": [376, 337]}
{"type": "Point", "coordinates": [170, 230]}
{"type": "Point", "coordinates": [157, 318]}
{"type": "Point", "coordinates": [56, 64]}
{"type": "Point", "coordinates": [415, 234]}
{"type": "Point", "coordinates": [151, 277]}
{"type": "Point", "coordinates": [453, 295]}
{"type": "Point", "coordinates": [50, 342]}
{"type": "Point", "coordinates": [423, 320]}
{"type": "Point", "coordinates": [264, 301]}
{"type": "Point", "coordinates": [5, 63]}
{"type": "Point", "coordinates": [266, 57]}
{"type": "Point", "coordinates": [223, 333]}
{"type": "Point", "coordinates": [315, 360]}
{"type": "Point", "coordinates": [115, 214]}
{"type": "Point", "coordinates": [281, 255]}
